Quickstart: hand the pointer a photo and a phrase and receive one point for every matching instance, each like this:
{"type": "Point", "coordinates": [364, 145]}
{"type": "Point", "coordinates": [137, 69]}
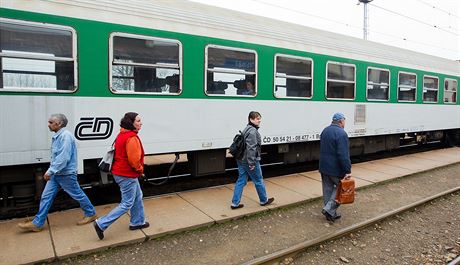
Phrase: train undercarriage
{"type": "Point", "coordinates": [21, 186]}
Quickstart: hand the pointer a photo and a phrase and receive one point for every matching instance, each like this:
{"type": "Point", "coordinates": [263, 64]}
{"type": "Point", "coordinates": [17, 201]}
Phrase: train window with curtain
{"type": "Point", "coordinates": [340, 81]}
{"type": "Point", "coordinates": [230, 71]}
{"type": "Point", "coordinates": [430, 89]}
{"type": "Point", "coordinates": [450, 91]}
{"type": "Point", "coordinates": [37, 57]}
{"type": "Point", "coordinates": [293, 77]}
{"type": "Point", "coordinates": [407, 87]}
{"type": "Point", "coordinates": [378, 84]}
{"type": "Point", "coordinates": [144, 64]}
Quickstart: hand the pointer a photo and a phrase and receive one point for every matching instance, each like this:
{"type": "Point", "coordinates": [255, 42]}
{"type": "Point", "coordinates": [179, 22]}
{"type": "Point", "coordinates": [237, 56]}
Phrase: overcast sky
{"type": "Point", "coordinates": [427, 26]}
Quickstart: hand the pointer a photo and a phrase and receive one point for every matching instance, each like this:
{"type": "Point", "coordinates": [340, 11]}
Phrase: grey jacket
{"type": "Point", "coordinates": [253, 145]}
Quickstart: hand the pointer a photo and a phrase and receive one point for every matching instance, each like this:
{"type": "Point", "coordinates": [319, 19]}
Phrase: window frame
{"type": "Point", "coordinates": [430, 89]}
{"type": "Point", "coordinates": [74, 58]}
{"type": "Point", "coordinates": [256, 90]}
{"type": "Point", "coordinates": [444, 91]}
{"type": "Point", "coordinates": [143, 37]}
{"type": "Point", "coordinates": [389, 83]}
{"type": "Point", "coordinates": [335, 80]}
{"type": "Point", "coordinates": [416, 81]}
{"type": "Point", "coordinates": [294, 77]}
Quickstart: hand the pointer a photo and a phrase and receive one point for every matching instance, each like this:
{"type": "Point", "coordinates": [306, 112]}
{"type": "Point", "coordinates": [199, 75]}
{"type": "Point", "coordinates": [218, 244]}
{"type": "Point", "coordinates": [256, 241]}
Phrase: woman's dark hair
{"type": "Point", "coordinates": [253, 115]}
{"type": "Point", "coordinates": [127, 122]}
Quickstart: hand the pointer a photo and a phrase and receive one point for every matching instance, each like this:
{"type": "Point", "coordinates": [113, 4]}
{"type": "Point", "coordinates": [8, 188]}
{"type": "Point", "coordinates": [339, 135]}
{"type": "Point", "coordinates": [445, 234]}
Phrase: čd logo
{"type": "Point", "coordinates": [94, 128]}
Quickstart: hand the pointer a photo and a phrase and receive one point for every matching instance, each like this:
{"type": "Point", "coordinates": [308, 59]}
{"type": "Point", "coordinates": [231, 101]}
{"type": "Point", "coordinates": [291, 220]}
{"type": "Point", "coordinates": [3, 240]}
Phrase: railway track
{"type": "Point", "coordinates": [293, 251]}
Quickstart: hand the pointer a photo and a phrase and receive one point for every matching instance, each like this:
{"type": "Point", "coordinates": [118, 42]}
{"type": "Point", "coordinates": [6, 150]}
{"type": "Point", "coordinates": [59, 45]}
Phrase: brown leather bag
{"type": "Point", "coordinates": [345, 191]}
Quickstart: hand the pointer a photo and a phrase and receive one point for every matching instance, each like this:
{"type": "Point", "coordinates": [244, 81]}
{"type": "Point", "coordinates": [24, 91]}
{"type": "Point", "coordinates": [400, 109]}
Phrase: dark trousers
{"type": "Point", "coordinates": [329, 191]}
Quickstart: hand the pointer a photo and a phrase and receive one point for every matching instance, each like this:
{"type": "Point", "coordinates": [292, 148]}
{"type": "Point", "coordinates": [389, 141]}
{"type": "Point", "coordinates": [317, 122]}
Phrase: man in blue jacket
{"type": "Point", "coordinates": [334, 163]}
{"type": "Point", "coordinates": [62, 173]}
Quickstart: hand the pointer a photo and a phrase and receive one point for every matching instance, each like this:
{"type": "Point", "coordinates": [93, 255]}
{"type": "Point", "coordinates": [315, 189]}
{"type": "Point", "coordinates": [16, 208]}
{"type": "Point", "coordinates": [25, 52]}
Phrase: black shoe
{"type": "Point", "coordinates": [236, 207]}
{"type": "Point", "coordinates": [337, 216]}
{"type": "Point", "coordinates": [135, 227]}
{"type": "Point", "coordinates": [329, 217]}
{"type": "Point", "coordinates": [269, 201]}
{"type": "Point", "coordinates": [99, 231]}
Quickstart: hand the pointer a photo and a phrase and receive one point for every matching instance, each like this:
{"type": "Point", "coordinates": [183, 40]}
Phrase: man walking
{"type": "Point", "coordinates": [249, 165]}
{"type": "Point", "coordinates": [62, 173]}
{"type": "Point", "coordinates": [334, 163]}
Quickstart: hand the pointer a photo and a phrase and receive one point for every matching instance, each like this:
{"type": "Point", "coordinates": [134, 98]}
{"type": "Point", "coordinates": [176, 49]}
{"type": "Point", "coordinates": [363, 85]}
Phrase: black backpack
{"type": "Point", "coordinates": [238, 147]}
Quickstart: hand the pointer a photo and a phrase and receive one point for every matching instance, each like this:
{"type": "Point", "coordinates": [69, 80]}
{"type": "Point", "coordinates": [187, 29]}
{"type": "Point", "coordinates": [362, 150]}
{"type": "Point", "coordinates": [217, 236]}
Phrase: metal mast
{"type": "Point", "coordinates": [366, 17]}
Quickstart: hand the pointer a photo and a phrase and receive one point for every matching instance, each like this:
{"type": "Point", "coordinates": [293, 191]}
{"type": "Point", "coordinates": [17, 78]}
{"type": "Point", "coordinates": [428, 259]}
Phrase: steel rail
{"type": "Point", "coordinates": [292, 251]}
{"type": "Point", "coordinates": [455, 261]}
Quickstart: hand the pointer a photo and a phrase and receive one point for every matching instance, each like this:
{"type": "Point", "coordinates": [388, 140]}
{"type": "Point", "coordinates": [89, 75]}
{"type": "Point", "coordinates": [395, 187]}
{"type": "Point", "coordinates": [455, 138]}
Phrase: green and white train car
{"type": "Point", "coordinates": [183, 66]}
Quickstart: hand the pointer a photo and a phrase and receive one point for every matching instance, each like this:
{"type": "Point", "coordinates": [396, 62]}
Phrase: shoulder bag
{"type": "Point", "coordinates": [106, 163]}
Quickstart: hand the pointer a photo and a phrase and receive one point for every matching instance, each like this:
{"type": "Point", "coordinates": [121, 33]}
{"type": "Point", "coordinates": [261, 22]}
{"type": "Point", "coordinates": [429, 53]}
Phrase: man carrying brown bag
{"type": "Point", "coordinates": [334, 163]}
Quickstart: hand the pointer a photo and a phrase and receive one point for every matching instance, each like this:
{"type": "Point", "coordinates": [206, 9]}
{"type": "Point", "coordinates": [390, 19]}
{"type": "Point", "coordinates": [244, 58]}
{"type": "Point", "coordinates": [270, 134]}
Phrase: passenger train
{"type": "Point", "coordinates": [184, 66]}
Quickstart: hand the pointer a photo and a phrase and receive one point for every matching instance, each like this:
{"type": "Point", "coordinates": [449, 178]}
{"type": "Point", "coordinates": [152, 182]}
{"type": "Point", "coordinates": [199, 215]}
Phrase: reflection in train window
{"type": "Point", "coordinates": [143, 64]}
{"type": "Point", "coordinates": [378, 84]}
{"type": "Point", "coordinates": [37, 57]}
{"type": "Point", "coordinates": [230, 71]}
{"type": "Point", "coordinates": [407, 86]}
{"type": "Point", "coordinates": [450, 90]}
{"type": "Point", "coordinates": [293, 77]}
{"type": "Point", "coordinates": [430, 89]}
{"type": "Point", "coordinates": [340, 80]}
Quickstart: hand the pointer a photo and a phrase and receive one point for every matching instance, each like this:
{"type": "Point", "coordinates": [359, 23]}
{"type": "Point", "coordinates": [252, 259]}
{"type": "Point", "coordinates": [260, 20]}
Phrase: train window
{"type": "Point", "coordinates": [230, 71]}
{"type": "Point", "coordinates": [340, 81]}
{"type": "Point", "coordinates": [378, 84]}
{"type": "Point", "coordinates": [430, 89]}
{"type": "Point", "coordinates": [143, 64]}
{"type": "Point", "coordinates": [450, 90]}
{"type": "Point", "coordinates": [407, 86]}
{"type": "Point", "coordinates": [293, 77]}
{"type": "Point", "coordinates": [37, 57]}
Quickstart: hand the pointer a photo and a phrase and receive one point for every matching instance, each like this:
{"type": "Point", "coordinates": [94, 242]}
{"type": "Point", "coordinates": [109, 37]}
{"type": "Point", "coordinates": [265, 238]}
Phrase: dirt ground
{"type": "Point", "coordinates": [426, 235]}
{"type": "Point", "coordinates": [241, 240]}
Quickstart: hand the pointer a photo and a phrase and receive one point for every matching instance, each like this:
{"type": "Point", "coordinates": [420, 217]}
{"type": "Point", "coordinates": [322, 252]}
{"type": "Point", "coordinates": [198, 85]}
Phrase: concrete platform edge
{"type": "Point", "coordinates": [403, 176]}
{"type": "Point", "coordinates": [89, 251]}
{"type": "Point", "coordinates": [178, 231]}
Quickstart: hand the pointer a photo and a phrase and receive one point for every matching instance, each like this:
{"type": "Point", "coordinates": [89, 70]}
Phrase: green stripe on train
{"type": "Point", "coordinates": [93, 79]}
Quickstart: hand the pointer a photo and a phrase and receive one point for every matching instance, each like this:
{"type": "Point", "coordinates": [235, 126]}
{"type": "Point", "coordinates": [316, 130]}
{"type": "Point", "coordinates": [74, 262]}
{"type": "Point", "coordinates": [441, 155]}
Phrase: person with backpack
{"type": "Point", "coordinates": [249, 162]}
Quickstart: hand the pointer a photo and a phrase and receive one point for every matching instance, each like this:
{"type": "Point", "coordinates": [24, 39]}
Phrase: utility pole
{"type": "Point", "coordinates": [366, 17]}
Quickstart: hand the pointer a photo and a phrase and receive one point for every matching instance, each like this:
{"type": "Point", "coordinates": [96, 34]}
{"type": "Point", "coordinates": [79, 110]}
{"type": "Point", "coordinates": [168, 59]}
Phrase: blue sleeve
{"type": "Point", "coordinates": [343, 153]}
{"type": "Point", "coordinates": [62, 154]}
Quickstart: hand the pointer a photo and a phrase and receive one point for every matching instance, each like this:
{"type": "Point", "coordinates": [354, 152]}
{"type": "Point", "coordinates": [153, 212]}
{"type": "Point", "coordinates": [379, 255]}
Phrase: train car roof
{"type": "Point", "coordinates": [199, 19]}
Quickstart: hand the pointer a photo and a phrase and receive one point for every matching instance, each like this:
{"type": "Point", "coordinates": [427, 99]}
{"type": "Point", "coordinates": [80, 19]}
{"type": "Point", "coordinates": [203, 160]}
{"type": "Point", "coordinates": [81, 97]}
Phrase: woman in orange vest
{"type": "Point", "coordinates": [127, 167]}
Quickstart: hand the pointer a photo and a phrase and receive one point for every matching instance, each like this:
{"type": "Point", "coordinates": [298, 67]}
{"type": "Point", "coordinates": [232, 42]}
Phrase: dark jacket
{"type": "Point", "coordinates": [253, 144]}
{"type": "Point", "coordinates": [334, 155]}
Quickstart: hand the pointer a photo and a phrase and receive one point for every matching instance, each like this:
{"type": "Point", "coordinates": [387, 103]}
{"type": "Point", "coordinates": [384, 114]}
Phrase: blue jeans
{"type": "Point", "coordinates": [256, 177]}
{"type": "Point", "coordinates": [131, 200]}
{"type": "Point", "coordinates": [70, 185]}
{"type": "Point", "coordinates": [329, 191]}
